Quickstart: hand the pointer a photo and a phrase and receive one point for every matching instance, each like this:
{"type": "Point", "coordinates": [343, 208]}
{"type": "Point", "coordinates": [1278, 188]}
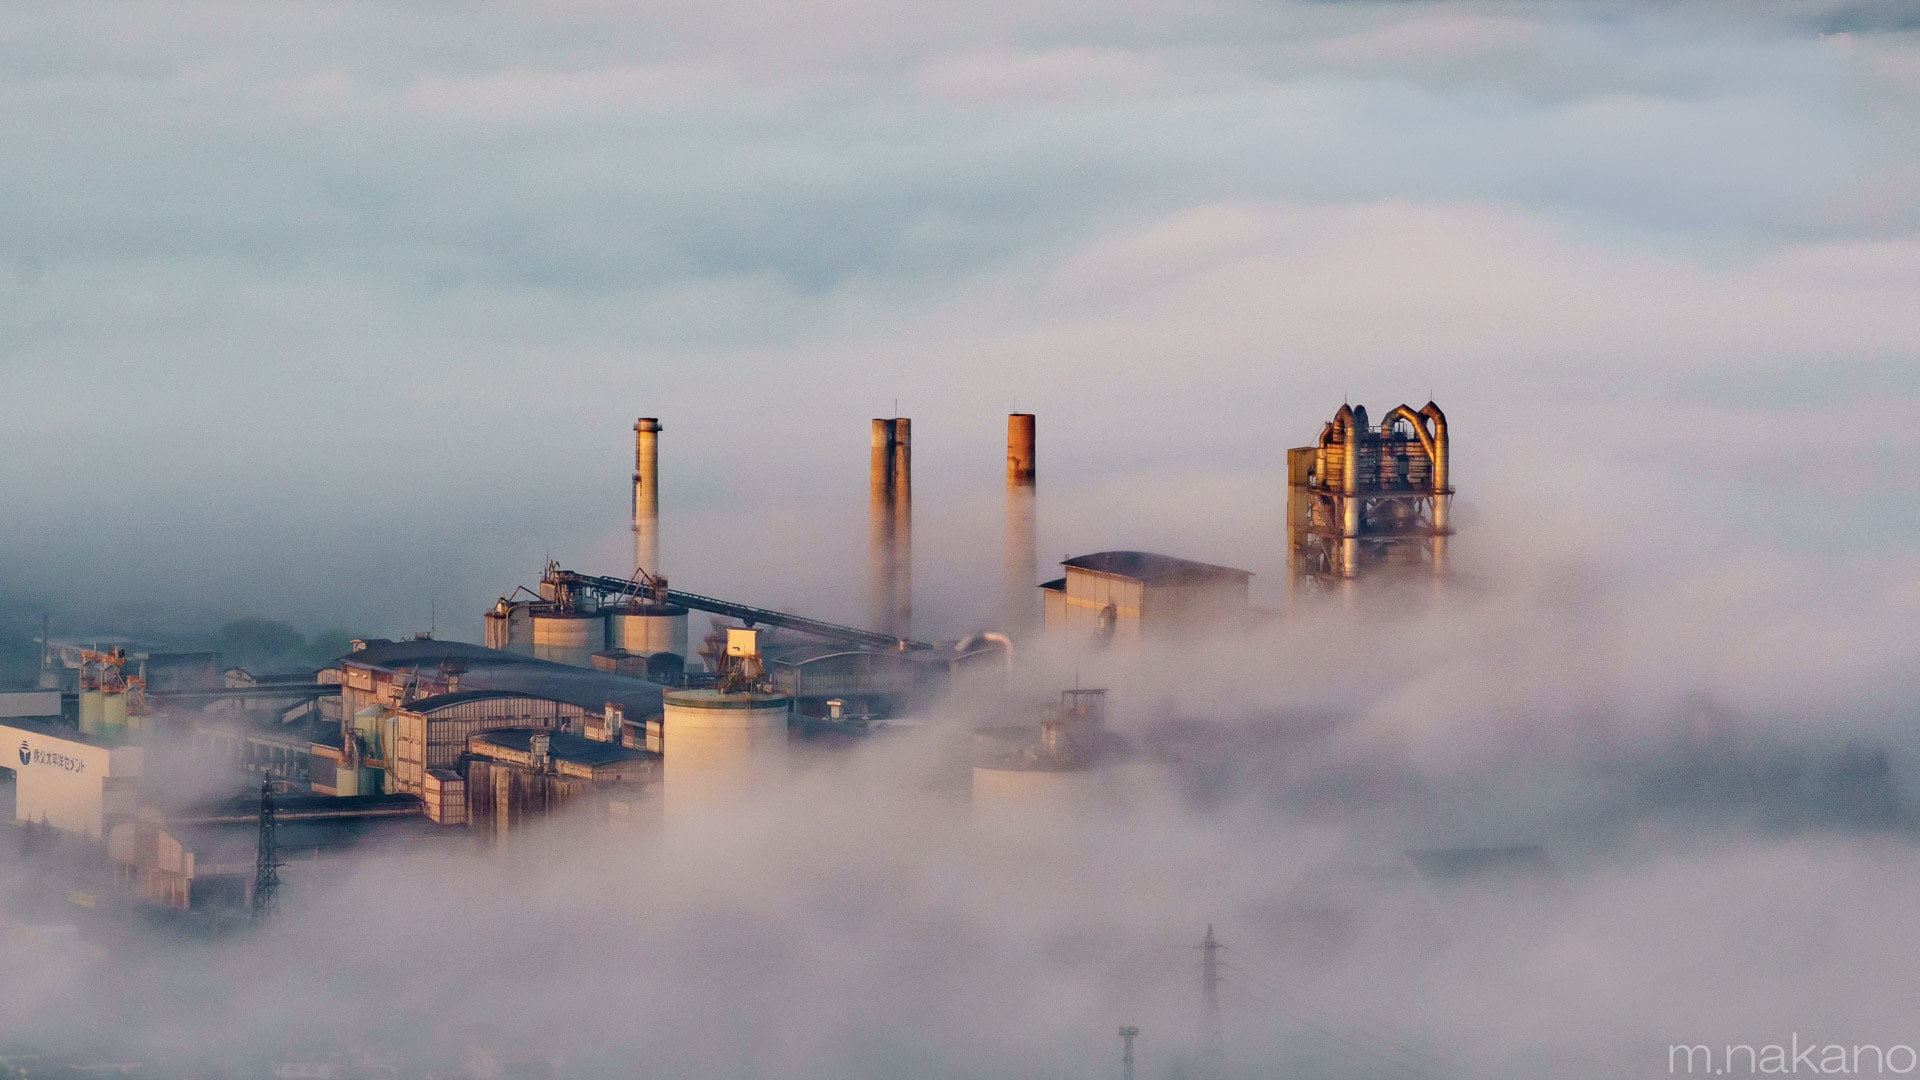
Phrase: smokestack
{"type": "Point", "coordinates": [646, 494]}
{"type": "Point", "coordinates": [890, 527]}
{"type": "Point", "coordinates": [1020, 569]}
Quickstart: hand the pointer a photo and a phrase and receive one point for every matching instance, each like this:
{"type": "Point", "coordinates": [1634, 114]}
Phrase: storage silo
{"type": "Point", "coordinates": [569, 637]}
{"type": "Point", "coordinates": [113, 715]}
{"type": "Point", "coordinates": [646, 629]}
{"type": "Point", "coordinates": [92, 710]}
{"type": "Point", "coordinates": [720, 749]}
{"type": "Point", "coordinates": [1025, 775]}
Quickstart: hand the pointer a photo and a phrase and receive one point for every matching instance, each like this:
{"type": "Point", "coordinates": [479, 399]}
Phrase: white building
{"type": "Point", "coordinates": [71, 781]}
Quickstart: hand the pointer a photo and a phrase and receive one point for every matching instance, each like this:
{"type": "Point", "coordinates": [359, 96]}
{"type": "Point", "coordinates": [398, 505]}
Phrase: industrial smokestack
{"type": "Point", "coordinates": [646, 494]}
{"type": "Point", "coordinates": [890, 527]}
{"type": "Point", "coordinates": [1020, 570]}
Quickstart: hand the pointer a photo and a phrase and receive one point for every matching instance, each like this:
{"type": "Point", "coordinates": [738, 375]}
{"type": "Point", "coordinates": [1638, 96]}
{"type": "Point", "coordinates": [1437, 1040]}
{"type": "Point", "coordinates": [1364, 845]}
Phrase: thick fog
{"type": "Point", "coordinates": [339, 314]}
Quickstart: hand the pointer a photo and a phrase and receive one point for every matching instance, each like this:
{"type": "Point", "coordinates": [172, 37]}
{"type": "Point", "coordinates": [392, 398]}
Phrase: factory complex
{"type": "Point", "coordinates": [635, 705]}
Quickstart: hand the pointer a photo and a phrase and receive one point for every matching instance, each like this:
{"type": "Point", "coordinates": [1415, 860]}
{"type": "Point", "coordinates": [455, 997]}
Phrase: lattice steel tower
{"type": "Point", "coordinates": [1212, 1049]}
{"type": "Point", "coordinates": [266, 863]}
{"type": "Point", "coordinates": [1369, 500]}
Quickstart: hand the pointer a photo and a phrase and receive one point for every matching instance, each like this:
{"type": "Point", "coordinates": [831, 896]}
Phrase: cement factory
{"type": "Point", "coordinates": [601, 693]}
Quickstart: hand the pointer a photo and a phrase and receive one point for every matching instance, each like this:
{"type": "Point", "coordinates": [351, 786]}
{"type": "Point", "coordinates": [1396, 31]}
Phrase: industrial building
{"type": "Point", "coordinates": [1124, 596]}
{"type": "Point", "coordinates": [411, 707]}
{"type": "Point", "coordinates": [72, 781]}
{"type": "Point", "coordinates": [519, 773]}
{"type": "Point", "coordinates": [203, 858]}
{"type": "Point", "coordinates": [1368, 500]}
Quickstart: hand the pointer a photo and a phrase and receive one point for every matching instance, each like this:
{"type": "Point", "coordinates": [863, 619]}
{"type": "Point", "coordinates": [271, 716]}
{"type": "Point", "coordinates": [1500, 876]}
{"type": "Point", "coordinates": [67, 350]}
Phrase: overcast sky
{"type": "Point", "coordinates": [341, 313]}
{"type": "Point", "coordinates": [336, 311]}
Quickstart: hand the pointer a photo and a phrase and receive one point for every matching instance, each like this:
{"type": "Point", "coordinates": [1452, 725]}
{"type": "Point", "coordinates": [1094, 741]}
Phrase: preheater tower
{"type": "Point", "coordinates": [890, 527]}
{"type": "Point", "coordinates": [1366, 500]}
{"type": "Point", "coordinates": [646, 494]}
{"type": "Point", "coordinates": [1020, 571]}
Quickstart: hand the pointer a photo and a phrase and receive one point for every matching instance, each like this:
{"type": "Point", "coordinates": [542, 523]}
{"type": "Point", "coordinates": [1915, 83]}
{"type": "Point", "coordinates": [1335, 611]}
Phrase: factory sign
{"type": "Point", "coordinates": [32, 756]}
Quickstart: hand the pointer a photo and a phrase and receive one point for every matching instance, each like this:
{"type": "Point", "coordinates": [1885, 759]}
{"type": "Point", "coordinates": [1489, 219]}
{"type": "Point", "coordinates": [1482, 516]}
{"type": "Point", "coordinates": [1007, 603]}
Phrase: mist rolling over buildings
{"type": "Point", "coordinates": [328, 327]}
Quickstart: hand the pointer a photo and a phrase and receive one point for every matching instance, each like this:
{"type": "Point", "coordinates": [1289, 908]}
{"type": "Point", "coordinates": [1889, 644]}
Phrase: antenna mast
{"type": "Point", "coordinates": [267, 864]}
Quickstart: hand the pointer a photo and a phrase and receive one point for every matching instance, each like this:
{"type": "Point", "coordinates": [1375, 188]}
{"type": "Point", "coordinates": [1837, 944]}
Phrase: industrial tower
{"type": "Point", "coordinates": [1127, 1035]}
{"type": "Point", "coordinates": [1212, 1049]}
{"type": "Point", "coordinates": [1020, 569]}
{"type": "Point", "coordinates": [266, 863]}
{"type": "Point", "coordinates": [890, 527]}
{"type": "Point", "coordinates": [1369, 500]}
{"type": "Point", "coordinates": [646, 494]}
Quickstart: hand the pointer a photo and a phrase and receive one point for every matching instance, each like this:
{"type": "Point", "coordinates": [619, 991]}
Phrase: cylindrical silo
{"type": "Point", "coordinates": [569, 637]}
{"type": "Point", "coordinates": [113, 715]}
{"type": "Point", "coordinates": [92, 710]}
{"type": "Point", "coordinates": [646, 629]}
{"type": "Point", "coordinates": [720, 750]}
{"type": "Point", "coordinates": [1032, 793]}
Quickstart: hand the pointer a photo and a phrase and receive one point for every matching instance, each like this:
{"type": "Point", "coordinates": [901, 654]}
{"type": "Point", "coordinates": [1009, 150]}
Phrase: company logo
{"type": "Point", "coordinates": [30, 756]}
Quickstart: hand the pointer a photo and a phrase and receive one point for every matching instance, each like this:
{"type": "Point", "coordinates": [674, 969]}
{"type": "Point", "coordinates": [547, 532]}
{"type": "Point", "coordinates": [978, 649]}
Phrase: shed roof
{"type": "Point", "coordinates": [1153, 569]}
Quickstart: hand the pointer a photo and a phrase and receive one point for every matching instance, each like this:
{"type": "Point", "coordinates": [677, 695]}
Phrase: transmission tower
{"type": "Point", "coordinates": [1212, 1050]}
{"type": "Point", "coordinates": [1126, 1051]}
{"type": "Point", "coordinates": [266, 864]}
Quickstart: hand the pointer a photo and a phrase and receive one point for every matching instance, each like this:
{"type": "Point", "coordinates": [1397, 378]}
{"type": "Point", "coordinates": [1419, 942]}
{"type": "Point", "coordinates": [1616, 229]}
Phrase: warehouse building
{"type": "Point", "coordinates": [410, 707]}
{"type": "Point", "coordinates": [1123, 596]}
{"type": "Point", "coordinates": [518, 774]}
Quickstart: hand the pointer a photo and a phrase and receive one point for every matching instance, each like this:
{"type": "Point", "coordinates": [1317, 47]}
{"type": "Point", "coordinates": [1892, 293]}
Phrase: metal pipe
{"type": "Point", "coordinates": [646, 494]}
{"type": "Point", "coordinates": [1442, 487]}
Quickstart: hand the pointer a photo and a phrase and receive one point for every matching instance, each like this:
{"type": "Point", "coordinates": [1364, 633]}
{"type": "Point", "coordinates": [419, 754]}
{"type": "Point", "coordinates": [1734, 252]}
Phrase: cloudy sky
{"type": "Point", "coordinates": [341, 312]}
{"type": "Point", "coordinates": [337, 311]}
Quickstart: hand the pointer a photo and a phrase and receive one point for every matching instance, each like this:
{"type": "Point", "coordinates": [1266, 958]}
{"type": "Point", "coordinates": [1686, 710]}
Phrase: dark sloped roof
{"type": "Point", "coordinates": [563, 746]}
{"type": "Point", "coordinates": [585, 687]}
{"type": "Point", "coordinates": [1153, 569]}
{"type": "Point", "coordinates": [441, 701]}
{"type": "Point", "coordinates": [413, 652]}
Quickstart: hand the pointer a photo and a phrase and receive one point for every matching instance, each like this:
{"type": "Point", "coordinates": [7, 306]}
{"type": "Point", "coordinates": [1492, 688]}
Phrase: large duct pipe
{"type": "Point", "coordinates": [646, 494]}
{"type": "Point", "coordinates": [1352, 425]}
{"type": "Point", "coordinates": [1442, 486]}
{"type": "Point", "coordinates": [1020, 569]}
{"type": "Point", "coordinates": [890, 527]}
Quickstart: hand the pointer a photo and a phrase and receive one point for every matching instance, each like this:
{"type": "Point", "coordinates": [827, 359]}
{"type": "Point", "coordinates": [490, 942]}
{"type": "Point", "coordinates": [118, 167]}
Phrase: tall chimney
{"type": "Point", "coordinates": [890, 527]}
{"type": "Point", "coordinates": [646, 494]}
{"type": "Point", "coordinates": [1020, 569]}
